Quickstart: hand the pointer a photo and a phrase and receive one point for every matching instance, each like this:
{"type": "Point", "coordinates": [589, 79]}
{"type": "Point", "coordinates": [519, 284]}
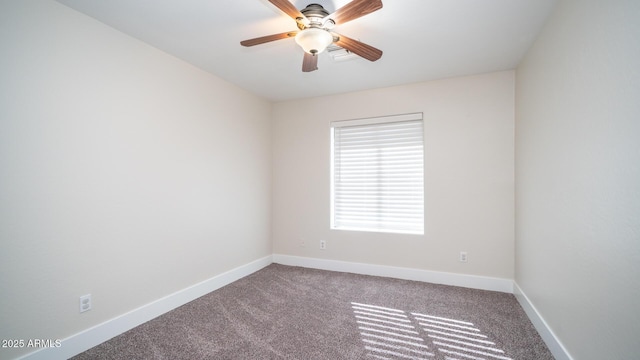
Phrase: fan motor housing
{"type": "Point", "coordinates": [314, 11]}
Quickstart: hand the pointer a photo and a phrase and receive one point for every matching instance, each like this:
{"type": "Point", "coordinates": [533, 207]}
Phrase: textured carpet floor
{"type": "Point", "coordinates": [283, 312]}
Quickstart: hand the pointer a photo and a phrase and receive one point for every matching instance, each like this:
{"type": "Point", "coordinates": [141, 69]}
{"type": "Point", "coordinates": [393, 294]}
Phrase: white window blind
{"type": "Point", "coordinates": [378, 174]}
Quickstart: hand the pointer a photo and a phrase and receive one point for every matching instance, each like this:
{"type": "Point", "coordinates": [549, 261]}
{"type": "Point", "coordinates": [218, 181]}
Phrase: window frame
{"type": "Point", "coordinates": [412, 117]}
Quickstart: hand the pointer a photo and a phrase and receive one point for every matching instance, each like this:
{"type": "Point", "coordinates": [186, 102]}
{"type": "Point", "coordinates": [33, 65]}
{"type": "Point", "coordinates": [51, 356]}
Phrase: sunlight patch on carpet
{"type": "Point", "coordinates": [390, 334]}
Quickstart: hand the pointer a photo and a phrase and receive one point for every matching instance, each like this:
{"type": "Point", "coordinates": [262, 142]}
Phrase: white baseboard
{"type": "Point", "coordinates": [554, 345]}
{"type": "Point", "coordinates": [470, 281]}
{"type": "Point", "coordinates": [98, 334]}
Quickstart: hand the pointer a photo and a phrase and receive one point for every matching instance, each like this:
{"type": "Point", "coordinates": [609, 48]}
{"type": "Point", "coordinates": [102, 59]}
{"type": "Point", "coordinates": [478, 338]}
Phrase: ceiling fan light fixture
{"type": "Point", "coordinates": [315, 35]}
{"type": "Point", "coordinates": [314, 40]}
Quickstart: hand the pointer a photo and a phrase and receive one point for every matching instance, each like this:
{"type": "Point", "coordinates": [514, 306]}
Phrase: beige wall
{"type": "Point", "coordinates": [578, 177]}
{"type": "Point", "coordinates": [469, 132]}
{"type": "Point", "coordinates": [124, 173]}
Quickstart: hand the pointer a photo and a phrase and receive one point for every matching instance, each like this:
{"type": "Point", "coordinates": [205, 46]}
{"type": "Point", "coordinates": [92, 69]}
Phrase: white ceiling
{"type": "Point", "coordinates": [422, 40]}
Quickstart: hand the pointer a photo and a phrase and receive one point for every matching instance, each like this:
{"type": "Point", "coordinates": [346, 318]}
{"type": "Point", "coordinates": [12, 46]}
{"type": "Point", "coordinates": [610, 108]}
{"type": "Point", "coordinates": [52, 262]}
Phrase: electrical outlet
{"type": "Point", "coordinates": [323, 244]}
{"type": "Point", "coordinates": [463, 256]}
{"type": "Point", "coordinates": [85, 303]}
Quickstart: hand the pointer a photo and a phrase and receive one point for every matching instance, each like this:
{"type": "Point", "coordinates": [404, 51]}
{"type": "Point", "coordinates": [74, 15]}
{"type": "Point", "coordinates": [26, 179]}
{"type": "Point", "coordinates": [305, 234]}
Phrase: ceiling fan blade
{"type": "Point", "coordinates": [359, 48]}
{"type": "Point", "coordinates": [309, 62]}
{"type": "Point", "coordinates": [288, 8]}
{"type": "Point", "coordinates": [268, 38]}
{"type": "Point", "coordinates": [354, 10]}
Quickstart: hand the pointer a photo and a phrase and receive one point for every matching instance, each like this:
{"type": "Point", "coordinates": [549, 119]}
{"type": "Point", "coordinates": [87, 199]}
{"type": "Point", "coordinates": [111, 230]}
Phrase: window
{"type": "Point", "coordinates": [377, 180]}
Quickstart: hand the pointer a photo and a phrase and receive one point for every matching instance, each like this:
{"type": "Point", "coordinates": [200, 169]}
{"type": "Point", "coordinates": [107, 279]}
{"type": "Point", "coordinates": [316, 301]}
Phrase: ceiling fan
{"type": "Point", "coordinates": [315, 25]}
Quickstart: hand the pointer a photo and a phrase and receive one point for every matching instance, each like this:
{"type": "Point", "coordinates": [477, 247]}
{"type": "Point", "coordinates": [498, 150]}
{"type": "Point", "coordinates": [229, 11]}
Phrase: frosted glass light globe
{"type": "Point", "coordinates": [314, 40]}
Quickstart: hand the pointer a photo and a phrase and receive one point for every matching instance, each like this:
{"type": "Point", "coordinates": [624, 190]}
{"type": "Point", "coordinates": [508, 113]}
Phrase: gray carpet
{"type": "Point", "coordinates": [283, 312]}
